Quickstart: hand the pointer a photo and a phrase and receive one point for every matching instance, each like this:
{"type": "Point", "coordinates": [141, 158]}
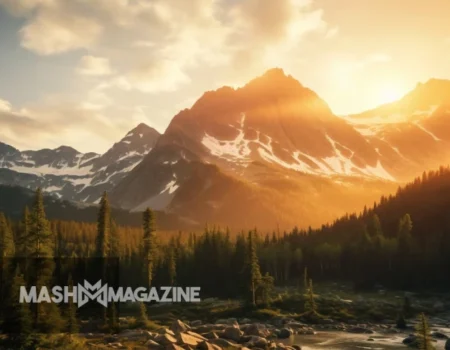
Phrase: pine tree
{"type": "Point", "coordinates": [7, 250]}
{"type": "Point", "coordinates": [267, 282]}
{"type": "Point", "coordinates": [305, 279]}
{"type": "Point", "coordinates": [407, 307]}
{"type": "Point", "coordinates": [22, 242]}
{"type": "Point", "coordinates": [401, 322]}
{"type": "Point", "coordinates": [47, 317]}
{"type": "Point", "coordinates": [112, 319]}
{"type": "Point", "coordinates": [310, 305]}
{"type": "Point", "coordinates": [114, 240]}
{"type": "Point", "coordinates": [424, 339]}
{"type": "Point", "coordinates": [103, 239]}
{"type": "Point", "coordinates": [71, 319]}
{"type": "Point", "coordinates": [149, 245]}
{"type": "Point", "coordinates": [143, 318]}
{"type": "Point", "coordinates": [172, 266]}
{"type": "Point", "coordinates": [253, 266]}
{"type": "Point", "coordinates": [7, 247]}
{"type": "Point", "coordinates": [374, 226]}
{"type": "Point", "coordinates": [40, 236]}
{"type": "Point", "coordinates": [18, 320]}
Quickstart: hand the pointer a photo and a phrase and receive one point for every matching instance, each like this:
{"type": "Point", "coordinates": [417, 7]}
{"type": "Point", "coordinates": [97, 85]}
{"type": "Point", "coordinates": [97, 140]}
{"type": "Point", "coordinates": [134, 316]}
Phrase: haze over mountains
{"type": "Point", "coordinates": [271, 152]}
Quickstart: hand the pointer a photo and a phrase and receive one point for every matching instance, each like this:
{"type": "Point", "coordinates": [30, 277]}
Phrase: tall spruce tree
{"type": "Point", "coordinates": [18, 321]}
{"type": "Point", "coordinates": [172, 266]}
{"type": "Point", "coordinates": [71, 316]}
{"type": "Point", "coordinates": [423, 334]}
{"type": "Point", "coordinates": [142, 319]}
{"type": "Point", "coordinates": [310, 305]}
{"type": "Point", "coordinates": [47, 317]}
{"type": "Point", "coordinates": [149, 245]}
{"type": "Point", "coordinates": [40, 237]}
{"type": "Point", "coordinates": [103, 239]}
{"type": "Point", "coordinates": [103, 243]}
{"type": "Point", "coordinates": [305, 280]}
{"type": "Point", "coordinates": [7, 246]}
{"type": "Point", "coordinates": [253, 266]}
{"type": "Point", "coordinates": [22, 241]}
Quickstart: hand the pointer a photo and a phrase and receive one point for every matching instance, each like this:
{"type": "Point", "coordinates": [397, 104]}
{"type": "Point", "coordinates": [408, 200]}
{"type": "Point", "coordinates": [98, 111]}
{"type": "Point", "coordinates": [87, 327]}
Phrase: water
{"type": "Point", "coordinates": [345, 341]}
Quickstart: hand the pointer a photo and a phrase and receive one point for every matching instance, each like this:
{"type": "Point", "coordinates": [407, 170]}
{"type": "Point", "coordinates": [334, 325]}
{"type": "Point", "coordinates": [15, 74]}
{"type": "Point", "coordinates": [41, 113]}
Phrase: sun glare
{"type": "Point", "coordinates": [389, 93]}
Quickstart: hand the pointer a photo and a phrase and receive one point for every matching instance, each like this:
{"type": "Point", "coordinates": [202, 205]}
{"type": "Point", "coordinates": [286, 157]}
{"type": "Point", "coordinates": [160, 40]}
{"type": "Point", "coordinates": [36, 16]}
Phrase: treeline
{"type": "Point", "coordinates": [403, 241]}
{"type": "Point", "coordinates": [35, 252]}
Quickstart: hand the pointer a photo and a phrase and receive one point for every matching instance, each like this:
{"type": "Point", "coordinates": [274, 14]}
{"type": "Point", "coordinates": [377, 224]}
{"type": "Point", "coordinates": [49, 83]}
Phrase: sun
{"type": "Point", "coordinates": [389, 93]}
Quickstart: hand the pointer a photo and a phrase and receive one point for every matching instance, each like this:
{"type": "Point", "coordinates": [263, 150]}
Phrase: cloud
{"type": "Point", "coordinates": [55, 33]}
{"type": "Point", "coordinates": [94, 66]}
{"type": "Point", "coordinates": [157, 46]}
{"type": "Point", "coordinates": [5, 106]}
{"type": "Point", "coordinates": [35, 126]}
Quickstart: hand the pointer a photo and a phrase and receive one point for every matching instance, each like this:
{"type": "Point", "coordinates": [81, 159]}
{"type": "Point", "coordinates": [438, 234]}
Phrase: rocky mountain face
{"type": "Point", "coordinates": [412, 134]}
{"type": "Point", "coordinates": [266, 154]}
{"type": "Point", "coordinates": [71, 175]}
{"type": "Point", "coordinates": [275, 143]}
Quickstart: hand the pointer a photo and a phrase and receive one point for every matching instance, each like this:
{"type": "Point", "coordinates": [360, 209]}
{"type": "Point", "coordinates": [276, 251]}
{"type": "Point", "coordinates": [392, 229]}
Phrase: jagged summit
{"type": "Point", "coordinates": [67, 149]}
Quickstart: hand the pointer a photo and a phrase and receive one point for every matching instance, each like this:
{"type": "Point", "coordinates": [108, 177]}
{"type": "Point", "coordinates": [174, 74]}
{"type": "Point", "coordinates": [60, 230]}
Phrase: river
{"type": "Point", "coordinates": [335, 340]}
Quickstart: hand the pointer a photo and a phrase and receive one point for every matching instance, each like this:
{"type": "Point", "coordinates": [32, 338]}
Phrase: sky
{"type": "Point", "coordinates": [84, 72]}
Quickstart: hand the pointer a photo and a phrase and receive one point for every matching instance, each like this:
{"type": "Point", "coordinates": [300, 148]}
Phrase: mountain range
{"type": "Point", "coordinates": [71, 175]}
{"type": "Point", "coordinates": [269, 153]}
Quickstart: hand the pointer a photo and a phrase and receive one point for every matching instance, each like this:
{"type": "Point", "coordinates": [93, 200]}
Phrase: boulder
{"type": "Point", "coordinates": [447, 345]}
{"type": "Point", "coordinates": [257, 342]}
{"type": "Point", "coordinates": [284, 333]}
{"type": "Point", "coordinates": [209, 327]}
{"type": "Point", "coordinates": [439, 335]}
{"type": "Point", "coordinates": [224, 343]}
{"type": "Point", "coordinates": [151, 344]}
{"type": "Point", "coordinates": [410, 341]}
{"type": "Point", "coordinates": [228, 321]}
{"type": "Point", "coordinates": [174, 347]}
{"type": "Point", "coordinates": [165, 339]}
{"type": "Point", "coordinates": [256, 329]}
{"type": "Point", "coordinates": [186, 339]}
{"type": "Point", "coordinates": [196, 335]}
{"type": "Point", "coordinates": [196, 323]}
{"type": "Point", "coordinates": [207, 346]}
{"type": "Point", "coordinates": [210, 335]}
{"type": "Point", "coordinates": [179, 326]}
{"type": "Point", "coordinates": [232, 333]}
{"type": "Point", "coordinates": [166, 331]}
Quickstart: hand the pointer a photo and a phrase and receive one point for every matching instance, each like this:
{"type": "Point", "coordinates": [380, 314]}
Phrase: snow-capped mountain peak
{"type": "Point", "coordinates": [72, 175]}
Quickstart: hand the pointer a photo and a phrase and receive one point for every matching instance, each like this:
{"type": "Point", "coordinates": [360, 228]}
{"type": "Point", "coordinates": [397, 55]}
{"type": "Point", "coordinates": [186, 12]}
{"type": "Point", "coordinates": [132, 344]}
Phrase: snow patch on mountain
{"type": "Point", "coordinates": [435, 138]}
{"type": "Point", "coordinates": [49, 170]}
{"type": "Point", "coordinates": [171, 187]}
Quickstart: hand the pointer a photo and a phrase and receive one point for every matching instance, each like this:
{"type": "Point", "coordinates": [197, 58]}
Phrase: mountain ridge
{"type": "Point", "coordinates": [270, 137]}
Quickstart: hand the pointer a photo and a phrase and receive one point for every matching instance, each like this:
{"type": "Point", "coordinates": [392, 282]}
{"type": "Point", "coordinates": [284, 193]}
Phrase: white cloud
{"type": "Point", "coordinates": [161, 46]}
{"type": "Point", "coordinates": [94, 66]}
{"type": "Point", "coordinates": [54, 31]}
{"type": "Point", "coordinates": [5, 106]}
{"type": "Point", "coordinates": [55, 122]}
